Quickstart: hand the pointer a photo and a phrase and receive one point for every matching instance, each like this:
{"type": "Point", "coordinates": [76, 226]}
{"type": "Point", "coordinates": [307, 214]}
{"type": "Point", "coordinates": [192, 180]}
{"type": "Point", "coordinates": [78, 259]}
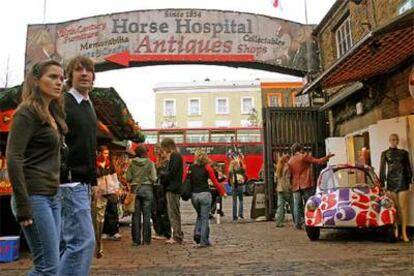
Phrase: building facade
{"type": "Point", "coordinates": [281, 94]}
{"type": "Point", "coordinates": [208, 104]}
{"type": "Point", "coordinates": [366, 70]}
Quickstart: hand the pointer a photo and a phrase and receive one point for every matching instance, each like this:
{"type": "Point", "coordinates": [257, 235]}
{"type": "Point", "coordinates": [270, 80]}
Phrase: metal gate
{"type": "Point", "coordinates": [282, 127]}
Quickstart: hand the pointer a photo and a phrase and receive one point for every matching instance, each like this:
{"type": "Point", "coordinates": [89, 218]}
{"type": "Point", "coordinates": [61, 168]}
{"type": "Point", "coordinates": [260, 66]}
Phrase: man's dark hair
{"type": "Point", "coordinates": [141, 151]}
{"type": "Point", "coordinates": [296, 147]}
{"type": "Point", "coordinates": [168, 144]}
{"type": "Point", "coordinates": [74, 63]}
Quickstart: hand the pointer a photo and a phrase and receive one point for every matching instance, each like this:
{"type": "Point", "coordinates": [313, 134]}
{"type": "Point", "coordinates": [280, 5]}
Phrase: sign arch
{"type": "Point", "coordinates": [169, 36]}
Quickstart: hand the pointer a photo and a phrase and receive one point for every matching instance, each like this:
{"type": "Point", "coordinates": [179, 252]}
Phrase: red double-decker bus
{"type": "Point", "coordinates": [221, 144]}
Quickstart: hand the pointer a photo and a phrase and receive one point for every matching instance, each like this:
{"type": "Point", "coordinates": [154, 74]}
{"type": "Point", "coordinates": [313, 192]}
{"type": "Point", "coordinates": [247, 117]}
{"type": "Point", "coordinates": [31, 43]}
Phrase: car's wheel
{"type": "Point", "coordinates": [313, 232]}
{"type": "Point", "coordinates": [390, 233]}
{"type": "Point", "coordinates": [250, 187]}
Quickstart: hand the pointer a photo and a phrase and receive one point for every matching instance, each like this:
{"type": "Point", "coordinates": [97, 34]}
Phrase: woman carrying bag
{"type": "Point", "coordinates": [141, 175]}
{"type": "Point", "coordinates": [198, 175]}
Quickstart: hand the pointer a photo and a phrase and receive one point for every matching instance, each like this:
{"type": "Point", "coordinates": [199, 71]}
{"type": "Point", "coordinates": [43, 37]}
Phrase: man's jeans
{"type": "Point", "coordinates": [237, 193]}
{"type": "Point", "coordinates": [202, 205]}
{"type": "Point", "coordinates": [282, 199]}
{"type": "Point", "coordinates": [78, 239]}
{"type": "Point", "coordinates": [173, 202]}
{"type": "Point", "coordinates": [43, 235]}
{"type": "Point", "coordinates": [299, 199]}
{"type": "Point", "coordinates": [143, 203]}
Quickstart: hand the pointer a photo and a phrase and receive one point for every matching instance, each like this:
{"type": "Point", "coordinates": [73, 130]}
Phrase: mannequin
{"type": "Point", "coordinates": [396, 176]}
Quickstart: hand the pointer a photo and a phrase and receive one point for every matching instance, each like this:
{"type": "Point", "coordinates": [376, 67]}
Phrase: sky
{"type": "Point", "coordinates": [135, 84]}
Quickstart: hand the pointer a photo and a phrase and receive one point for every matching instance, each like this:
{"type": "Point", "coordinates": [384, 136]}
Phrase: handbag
{"type": "Point", "coordinates": [108, 184]}
{"type": "Point", "coordinates": [129, 203]}
{"type": "Point", "coordinates": [187, 188]}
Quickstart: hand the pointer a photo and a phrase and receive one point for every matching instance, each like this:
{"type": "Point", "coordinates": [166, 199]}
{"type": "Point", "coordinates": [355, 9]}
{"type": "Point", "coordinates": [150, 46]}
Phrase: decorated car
{"type": "Point", "coordinates": [349, 196]}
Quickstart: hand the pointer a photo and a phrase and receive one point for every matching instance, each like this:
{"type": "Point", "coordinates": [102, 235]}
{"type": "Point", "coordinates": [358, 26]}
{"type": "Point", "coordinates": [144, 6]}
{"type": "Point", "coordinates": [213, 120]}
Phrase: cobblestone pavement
{"type": "Point", "coordinates": [247, 248]}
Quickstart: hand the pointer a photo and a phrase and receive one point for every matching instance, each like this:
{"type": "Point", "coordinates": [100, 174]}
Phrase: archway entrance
{"type": "Point", "coordinates": [172, 36]}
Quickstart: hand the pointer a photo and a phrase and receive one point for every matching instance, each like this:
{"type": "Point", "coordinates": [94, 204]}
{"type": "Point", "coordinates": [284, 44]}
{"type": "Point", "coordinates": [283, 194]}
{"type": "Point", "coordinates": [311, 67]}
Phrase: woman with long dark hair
{"type": "Point", "coordinates": [33, 157]}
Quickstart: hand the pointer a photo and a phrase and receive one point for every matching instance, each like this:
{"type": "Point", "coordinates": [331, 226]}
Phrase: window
{"type": "Point", "coordinates": [221, 137]}
{"type": "Point", "coordinates": [150, 137]}
{"type": "Point", "coordinates": [197, 136]}
{"type": "Point", "coordinates": [169, 107]}
{"type": "Point", "coordinates": [346, 178]}
{"type": "Point", "coordinates": [343, 37]}
{"type": "Point", "coordinates": [246, 105]}
{"type": "Point", "coordinates": [222, 106]}
{"type": "Point", "coordinates": [194, 106]}
{"type": "Point", "coordinates": [177, 137]}
{"type": "Point", "coordinates": [274, 99]}
{"type": "Point", "coordinates": [248, 136]}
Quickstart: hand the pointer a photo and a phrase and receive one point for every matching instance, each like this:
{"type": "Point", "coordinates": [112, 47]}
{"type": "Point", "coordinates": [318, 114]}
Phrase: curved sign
{"type": "Point", "coordinates": [176, 36]}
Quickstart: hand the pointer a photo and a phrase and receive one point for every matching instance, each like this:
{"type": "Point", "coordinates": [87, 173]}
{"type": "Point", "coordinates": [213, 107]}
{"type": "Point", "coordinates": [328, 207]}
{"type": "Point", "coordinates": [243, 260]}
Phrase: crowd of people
{"type": "Point", "coordinates": [66, 197]}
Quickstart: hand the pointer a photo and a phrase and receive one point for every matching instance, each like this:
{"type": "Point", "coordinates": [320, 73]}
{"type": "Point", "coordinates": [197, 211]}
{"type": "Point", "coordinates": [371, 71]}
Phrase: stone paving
{"type": "Point", "coordinates": [250, 248]}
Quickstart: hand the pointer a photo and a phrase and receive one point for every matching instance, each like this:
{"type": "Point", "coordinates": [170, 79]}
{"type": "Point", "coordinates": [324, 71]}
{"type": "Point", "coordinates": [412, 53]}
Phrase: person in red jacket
{"type": "Point", "coordinates": [198, 174]}
{"type": "Point", "coordinates": [303, 185]}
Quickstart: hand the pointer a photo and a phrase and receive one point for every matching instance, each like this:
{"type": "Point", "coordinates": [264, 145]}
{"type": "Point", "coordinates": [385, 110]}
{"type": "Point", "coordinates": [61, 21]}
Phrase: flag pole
{"type": "Point", "coordinates": [44, 11]}
{"type": "Point", "coordinates": [306, 12]}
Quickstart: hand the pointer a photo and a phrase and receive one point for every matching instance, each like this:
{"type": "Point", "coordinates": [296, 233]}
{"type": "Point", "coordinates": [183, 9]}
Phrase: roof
{"type": "Point", "coordinates": [377, 53]}
{"type": "Point", "coordinates": [109, 106]}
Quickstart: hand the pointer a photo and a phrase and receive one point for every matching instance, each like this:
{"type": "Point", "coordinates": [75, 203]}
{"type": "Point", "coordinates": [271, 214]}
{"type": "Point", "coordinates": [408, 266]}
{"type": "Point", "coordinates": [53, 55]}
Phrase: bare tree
{"type": "Point", "coordinates": [6, 79]}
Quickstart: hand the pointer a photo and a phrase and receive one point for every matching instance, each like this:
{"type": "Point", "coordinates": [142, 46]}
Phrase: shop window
{"type": "Point", "coordinates": [343, 37]}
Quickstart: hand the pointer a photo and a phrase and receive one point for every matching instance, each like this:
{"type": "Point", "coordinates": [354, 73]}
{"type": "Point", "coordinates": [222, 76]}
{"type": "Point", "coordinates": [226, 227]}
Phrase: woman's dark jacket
{"type": "Point", "coordinates": [395, 169]}
{"type": "Point", "coordinates": [174, 174]}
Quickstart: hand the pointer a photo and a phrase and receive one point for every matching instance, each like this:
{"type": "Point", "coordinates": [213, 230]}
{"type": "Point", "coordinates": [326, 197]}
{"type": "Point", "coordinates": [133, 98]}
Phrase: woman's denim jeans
{"type": "Point", "coordinates": [78, 237]}
{"type": "Point", "coordinates": [282, 199]}
{"type": "Point", "coordinates": [237, 193]}
{"type": "Point", "coordinates": [143, 204]}
{"type": "Point", "coordinates": [43, 236]}
{"type": "Point", "coordinates": [202, 204]}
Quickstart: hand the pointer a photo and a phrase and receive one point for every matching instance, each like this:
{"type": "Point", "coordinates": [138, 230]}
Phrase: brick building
{"type": "Point", "coordinates": [366, 64]}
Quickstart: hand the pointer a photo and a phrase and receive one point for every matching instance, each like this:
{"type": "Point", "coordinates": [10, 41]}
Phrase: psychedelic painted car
{"type": "Point", "coordinates": [349, 197]}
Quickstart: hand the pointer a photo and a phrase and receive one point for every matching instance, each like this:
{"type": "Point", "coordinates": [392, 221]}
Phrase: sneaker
{"type": "Point", "coordinates": [210, 216]}
{"type": "Point", "coordinates": [117, 236]}
{"type": "Point", "coordinates": [221, 213]}
{"type": "Point", "coordinates": [280, 225]}
{"type": "Point", "coordinates": [104, 236]}
{"type": "Point", "coordinates": [241, 216]}
{"type": "Point", "coordinates": [135, 244]}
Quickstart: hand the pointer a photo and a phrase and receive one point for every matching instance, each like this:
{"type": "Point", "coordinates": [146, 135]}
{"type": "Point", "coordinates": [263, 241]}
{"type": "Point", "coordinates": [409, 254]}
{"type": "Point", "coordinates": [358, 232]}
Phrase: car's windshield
{"type": "Point", "coordinates": [345, 178]}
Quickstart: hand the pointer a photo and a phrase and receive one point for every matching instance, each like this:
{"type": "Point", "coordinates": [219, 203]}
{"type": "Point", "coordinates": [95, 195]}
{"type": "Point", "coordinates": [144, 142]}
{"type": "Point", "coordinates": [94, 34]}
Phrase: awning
{"type": "Point", "coordinates": [342, 94]}
{"type": "Point", "coordinates": [379, 51]}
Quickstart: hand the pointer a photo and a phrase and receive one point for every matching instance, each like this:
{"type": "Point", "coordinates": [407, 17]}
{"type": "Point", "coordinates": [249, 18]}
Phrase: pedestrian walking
{"type": "Point", "coordinates": [160, 220]}
{"type": "Point", "coordinates": [106, 170]}
{"type": "Point", "coordinates": [215, 196]}
{"type": "Point", "coordinates": [283, 188]}
{"type": "Point", "coordinates": [201, 198]}
{"type": "Point", "coordinates": [79, 180]}
{"type": "Point", "coordinates": [33, 158]}
{"type": "Point", "coordinates": [396, 176]}
{"type": "Point", "coordinates": [141, 175]}
{"type": "Point", "coordinates": [303, 185]}
{"type": "Point", "coordinates": [173, 181]}
{"type": "Point", "coordinates": [237, 178]}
